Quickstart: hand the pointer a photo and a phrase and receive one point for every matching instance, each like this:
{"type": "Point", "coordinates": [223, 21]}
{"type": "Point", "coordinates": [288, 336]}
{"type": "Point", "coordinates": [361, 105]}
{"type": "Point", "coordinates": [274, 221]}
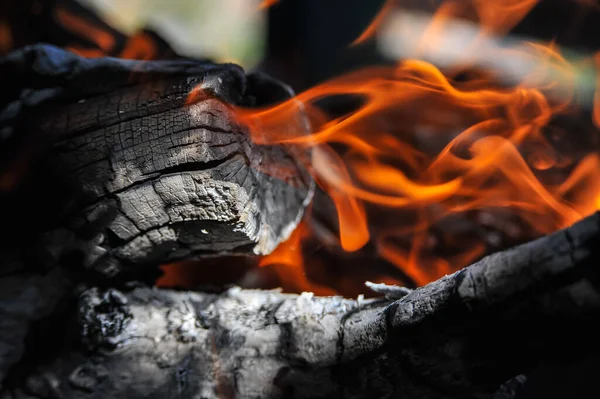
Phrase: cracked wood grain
{"type": "Point", "coordinates": [162, 174]}
{"type": "Point", "coordinates": [115, 167]}
{"type": "Point", "coordinates": [461, 336]}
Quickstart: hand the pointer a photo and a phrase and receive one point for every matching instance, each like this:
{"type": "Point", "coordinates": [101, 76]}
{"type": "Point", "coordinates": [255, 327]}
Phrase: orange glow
{"type": "Point", "coordinates": [87, 52]}
{"type": "Point", "coordinates": [495, 17]}
{"type": "Point", "coordinates": [446, 11]}
{"type": "Point", "coordinates": [6, 41]}
{"type": "Point", "coordinates": [499, 16]}
{"type": "Point", "coordinates": [288, 262]}
{"type": "Point", "coordinates": [596, 112]}
{"type": "Point", "coordinates": [495, 153]}
{"type": "Point", "coordinates": [85, 29]}
{"type": "Point", "coordinates": [137, 47]}
{"type": "Point", "coordinates": [267, 3]}
{"type": "Point", "coordinates": [140, 46]}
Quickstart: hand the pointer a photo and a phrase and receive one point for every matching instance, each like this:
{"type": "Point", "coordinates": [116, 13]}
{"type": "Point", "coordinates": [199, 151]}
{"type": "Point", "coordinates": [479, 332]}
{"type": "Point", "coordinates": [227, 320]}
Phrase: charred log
{"type": "Point", "coordinates": [110, 167]}
{"type": "Point", "coordinates": [162, 169]}
{"type": "Point", "coordinates": [461, 336]}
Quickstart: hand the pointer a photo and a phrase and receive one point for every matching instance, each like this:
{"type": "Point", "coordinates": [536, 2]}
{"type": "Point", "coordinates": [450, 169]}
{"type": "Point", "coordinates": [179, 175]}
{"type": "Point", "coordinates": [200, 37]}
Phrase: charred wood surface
{"type": "Point", "coordinates": [163, 169]}
{"type": "Point", "coordinates": [461, 336]}
{"type": "Point", "coordinates": [111, 166]}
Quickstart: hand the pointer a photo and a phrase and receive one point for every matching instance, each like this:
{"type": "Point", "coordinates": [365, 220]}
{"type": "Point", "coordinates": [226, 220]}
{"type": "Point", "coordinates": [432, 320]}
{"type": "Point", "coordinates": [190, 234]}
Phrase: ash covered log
{"type": "Point", "coordinates": [461, 336]}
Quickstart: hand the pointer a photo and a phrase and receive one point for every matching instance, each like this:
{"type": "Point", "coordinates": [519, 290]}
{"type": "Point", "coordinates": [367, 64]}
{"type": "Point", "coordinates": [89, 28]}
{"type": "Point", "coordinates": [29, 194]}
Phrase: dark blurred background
{"type": "Point", "coordinates": [303, 42]}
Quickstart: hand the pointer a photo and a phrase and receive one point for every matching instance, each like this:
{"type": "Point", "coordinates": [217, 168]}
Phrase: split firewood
{"type": "Point", "coordinates": [461, 336]}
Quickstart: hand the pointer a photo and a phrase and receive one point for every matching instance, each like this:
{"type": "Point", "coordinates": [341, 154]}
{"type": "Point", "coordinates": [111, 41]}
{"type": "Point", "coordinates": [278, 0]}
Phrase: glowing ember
{"type": "Point", "coordinates": [267, 3]}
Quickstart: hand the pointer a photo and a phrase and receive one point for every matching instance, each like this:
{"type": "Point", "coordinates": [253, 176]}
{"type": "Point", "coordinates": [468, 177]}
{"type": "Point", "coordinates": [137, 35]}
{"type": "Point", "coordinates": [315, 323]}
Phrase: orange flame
{"type": "Point", "coordinates": [424, 146]}
{"type": "Point", "coordinates": [289, 261]}
{"type": "Point", "coordinates": [264, 4]}
{"type": "Point", "coordinates": [85, 29]}
{"type": "Point", "coordinates": [497, 151]}
{"type": "Point", "coordinates": [494, 16]}
{"type": "Point", "coordinates": [500, 16]}
{"type": "Point", "coordinates": [371, 30]}
{"type": "Point", "coordinates": [103, 42]}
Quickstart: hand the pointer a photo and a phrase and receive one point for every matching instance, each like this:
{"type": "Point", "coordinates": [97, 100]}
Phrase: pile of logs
{"type": "Point", "coordinates": [127, 174]}
{"type": "Point", "coordinates": [109, 169]}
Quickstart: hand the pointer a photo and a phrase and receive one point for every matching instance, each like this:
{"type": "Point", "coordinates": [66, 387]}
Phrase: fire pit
{"type": "Point", "coordinates": [177, 227]}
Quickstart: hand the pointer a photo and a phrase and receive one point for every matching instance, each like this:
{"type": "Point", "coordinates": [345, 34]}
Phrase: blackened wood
{"type": "Point", "coordinates": [111, 167]}
{"type": "Point", "coordinates": [24, 299]}
{"type": "Point", "coordinates": [164, 170]}
{"type": "Point", "coordinates": [461, 336]}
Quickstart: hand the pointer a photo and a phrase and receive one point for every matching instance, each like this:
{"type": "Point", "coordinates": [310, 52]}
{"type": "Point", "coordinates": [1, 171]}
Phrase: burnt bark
{"type": "Point", "coordinates": [110, 167]}
{"type": "Point", "coordinates": [162, 168]}
{"type": "Point", "coordinates": [131, 171]}
{"type": "Point", "coordinates": [461, 336]}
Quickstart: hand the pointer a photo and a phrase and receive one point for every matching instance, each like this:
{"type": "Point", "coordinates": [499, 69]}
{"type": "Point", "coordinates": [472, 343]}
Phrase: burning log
{"type": "Point", "coordinates": [137, 164]}
{"type": "Point", "coordinates": [162, 174]}
{"type": "Point", "coordinates": [461, 336]}
{"type": "Point", "coordinates": [140, 163]}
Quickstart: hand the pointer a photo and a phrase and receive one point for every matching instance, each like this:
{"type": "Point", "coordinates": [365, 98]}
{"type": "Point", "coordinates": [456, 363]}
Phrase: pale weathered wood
{"type": "Point", "coordinates": [461, 336]}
